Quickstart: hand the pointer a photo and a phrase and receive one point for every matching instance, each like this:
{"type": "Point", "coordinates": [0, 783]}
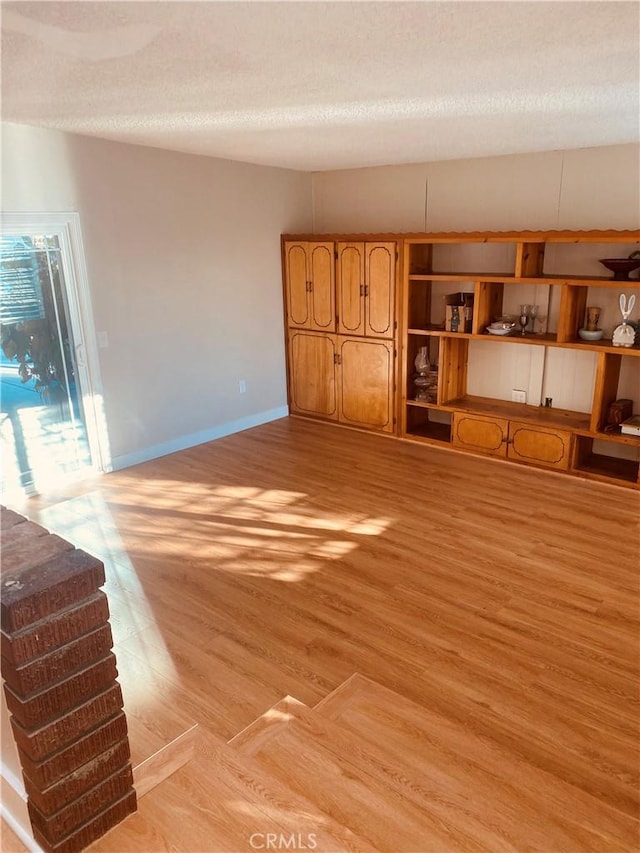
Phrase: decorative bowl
{"type": "Point", "coordinates": [621, 267]}
{"type": "Point", "coordinates": [500, 331]}
{"type": "Point", "coordinates": [586, 335]}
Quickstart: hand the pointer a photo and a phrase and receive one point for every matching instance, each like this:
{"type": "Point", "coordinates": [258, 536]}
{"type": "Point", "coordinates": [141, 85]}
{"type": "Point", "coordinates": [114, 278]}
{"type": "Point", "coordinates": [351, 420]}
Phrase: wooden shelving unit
{"type": "Point", "coordinates": [574, 442]}
{"type": "Point", "coordinates": [359, 306]}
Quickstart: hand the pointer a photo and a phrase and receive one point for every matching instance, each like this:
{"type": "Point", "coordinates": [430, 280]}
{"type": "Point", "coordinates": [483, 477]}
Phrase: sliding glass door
{"type": "Point", "coordinates": [43, 421]}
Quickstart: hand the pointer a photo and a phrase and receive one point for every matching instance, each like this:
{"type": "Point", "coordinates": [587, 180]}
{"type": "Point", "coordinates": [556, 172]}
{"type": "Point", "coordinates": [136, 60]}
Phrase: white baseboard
{"type": "Point", "coordinates": [195, 438]}
{"type": "Point", "coordinates": [13, 808]}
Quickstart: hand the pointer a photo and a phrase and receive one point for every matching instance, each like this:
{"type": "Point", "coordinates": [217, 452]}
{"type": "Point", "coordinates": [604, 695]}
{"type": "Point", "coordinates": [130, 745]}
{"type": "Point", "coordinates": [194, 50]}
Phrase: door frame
{"type": "Point", "coordinates": [66, 227]}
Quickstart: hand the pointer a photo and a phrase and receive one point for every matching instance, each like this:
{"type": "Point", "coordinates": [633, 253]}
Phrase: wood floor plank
{"type": "Point", "coordinates": [428, 743]}
{"type": "Point", "coordinates": [283, 559]}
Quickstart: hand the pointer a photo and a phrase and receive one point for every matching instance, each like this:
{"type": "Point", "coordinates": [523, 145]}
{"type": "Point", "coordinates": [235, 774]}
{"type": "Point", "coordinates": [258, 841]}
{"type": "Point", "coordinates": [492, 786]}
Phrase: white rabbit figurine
{"type": "Point", "coordinates": [624, 335]}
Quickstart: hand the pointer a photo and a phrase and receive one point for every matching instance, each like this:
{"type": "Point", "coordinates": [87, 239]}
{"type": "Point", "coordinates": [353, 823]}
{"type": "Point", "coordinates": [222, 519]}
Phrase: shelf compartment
{"type": "Point", "coordinates": [601, 466]}
{"type": "Point", "coordinates": [426, 422]}
{"type": "Point", "coordinates": [616, 378]}
{"type": "Point", "coordinates": [552, 418]}
{"type": "Point", "coordinates": [427, 301]}
{"type": "Point", "coordinates": [451, 258]}
{"type": "Point", "coordinates": [584, 261]}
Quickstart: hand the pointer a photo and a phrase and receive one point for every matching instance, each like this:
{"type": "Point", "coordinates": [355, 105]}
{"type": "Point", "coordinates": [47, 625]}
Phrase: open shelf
{"type": "Point", "coordinates": [602, 466]}
{"type": "Point", "coordinates": [423, 422]}
{"type": "Point", "coordinates": [615, 437]}
{"type": "Point", "coordinates": [546, 340]}
{"type": "Point", "coordinates": [432, 432]}
{"type": "Point", "coordinates": [420, 404]}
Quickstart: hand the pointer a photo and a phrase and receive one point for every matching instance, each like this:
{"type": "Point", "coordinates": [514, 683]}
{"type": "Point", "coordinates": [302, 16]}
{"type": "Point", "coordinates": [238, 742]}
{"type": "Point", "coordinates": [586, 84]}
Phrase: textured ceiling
{"type": "Point", "coordinates": [314, 86]}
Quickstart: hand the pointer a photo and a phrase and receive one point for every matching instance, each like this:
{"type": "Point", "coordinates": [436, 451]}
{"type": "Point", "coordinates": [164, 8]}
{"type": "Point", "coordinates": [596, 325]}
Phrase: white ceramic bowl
{"type": "Point", "coordinates": [586, 335]}
{"type": "Point", "coordinates": [493, 331]}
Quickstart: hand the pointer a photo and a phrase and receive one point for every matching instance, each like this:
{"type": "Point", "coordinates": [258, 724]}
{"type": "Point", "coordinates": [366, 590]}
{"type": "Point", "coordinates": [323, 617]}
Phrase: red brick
{"type": "Point", "coordinates": [62, 763]}
{"type": "Point", "coordinates": [63, 731]}
{"type": "Point", "coordinates": [16, 536]}
{"type": "Point", "coordinates": [58, 664]}
{"type": "Point", "coordinates": [76, 783]}
{"type": "Point", "coordinates": [9, 518]}
{"type": "Point", "coordinates": [54, 701]}
{"type": "Point", "coordinates": [56, 630]}
{"type": "Point", "coordinates": [93, 829]}
{"type": "Point", "coordinates": [34, 592]}
{"type": "Point", "coordinates": [66, 820]}
{"type": "Point", "coordinates": [33, 552]}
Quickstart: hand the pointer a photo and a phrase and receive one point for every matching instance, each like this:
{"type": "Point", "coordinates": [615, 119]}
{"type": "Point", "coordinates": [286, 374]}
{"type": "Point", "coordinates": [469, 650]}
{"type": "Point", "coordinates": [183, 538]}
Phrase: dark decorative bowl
{"type": "Point", "coordinates": [621, 267]}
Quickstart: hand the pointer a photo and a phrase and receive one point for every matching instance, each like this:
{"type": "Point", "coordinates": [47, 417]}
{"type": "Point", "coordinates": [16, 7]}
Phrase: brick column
{"type": "Point", "coordinates": [61, 689]}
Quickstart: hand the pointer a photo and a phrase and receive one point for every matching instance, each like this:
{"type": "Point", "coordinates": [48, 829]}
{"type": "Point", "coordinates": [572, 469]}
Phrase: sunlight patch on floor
{"type": "Point", "coordinates": [282, 535]}
{"type": "Point", "coordinates": [88, 523]}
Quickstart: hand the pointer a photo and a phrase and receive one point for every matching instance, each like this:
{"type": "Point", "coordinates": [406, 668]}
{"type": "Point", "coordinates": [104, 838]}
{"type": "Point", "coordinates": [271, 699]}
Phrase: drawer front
{"type": "Point", "coordinates": [480, 434]}
{"type": "Point", "coordinates": [539, 445]}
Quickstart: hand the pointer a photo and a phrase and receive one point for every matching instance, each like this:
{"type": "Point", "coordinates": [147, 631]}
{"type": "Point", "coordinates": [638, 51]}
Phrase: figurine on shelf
{"type": "Point", "coordinates": [624, 335]}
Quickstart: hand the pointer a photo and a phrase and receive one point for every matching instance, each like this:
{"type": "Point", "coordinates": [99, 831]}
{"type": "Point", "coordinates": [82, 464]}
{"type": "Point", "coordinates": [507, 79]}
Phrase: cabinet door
{"type": "Point", "coordinates": [366, 383]}
{"type": "Point", "coordinates": [322, 287]}
{"type": "Point", "coordinates": [380, 289]}
{"type": "Point", "coordinates": [312, 374]}
{"type": "Point", "coordinates": [350, 274]}
{"type": "Point", "coordinates": [297, 283]}
{"type": "Point", "coordinates": [539, 445]}
{"type": "Point", "coordinates": [480, 434]}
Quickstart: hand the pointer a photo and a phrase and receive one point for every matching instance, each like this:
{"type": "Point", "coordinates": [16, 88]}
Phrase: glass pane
{"type": "Point", "coordinates": [41, 421]}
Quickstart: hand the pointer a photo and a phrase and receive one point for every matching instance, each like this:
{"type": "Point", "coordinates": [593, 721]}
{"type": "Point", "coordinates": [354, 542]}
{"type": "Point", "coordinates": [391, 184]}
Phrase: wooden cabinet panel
{"type": "Point", "coordinates": [310, 286]}
{"type": "Point", "coordinates": [366, 284]}
{"type": "Point", "coordinates": [322, 290]}
{"type": "Point", "coordinates": [480, 434]}
{"type": "Point", "coordinates": [366, 383]}
{"type": "Point", "coordinates": [350, 285]}
{"type": "Point", "coordinates": [312, 374]}
{"type": "Point", "coordinates": [539, 445]}
{"type": "Point", "coordinates": [379, 289]}
{"type": "Point", "coordinates": [297, 284]}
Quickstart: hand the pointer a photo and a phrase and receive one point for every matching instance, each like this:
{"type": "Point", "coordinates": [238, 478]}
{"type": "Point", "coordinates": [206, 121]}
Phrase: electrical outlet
{"type": "Point", "coordinates": [518, 396]}
{"type": "Point", "coordinates": [242, 386]}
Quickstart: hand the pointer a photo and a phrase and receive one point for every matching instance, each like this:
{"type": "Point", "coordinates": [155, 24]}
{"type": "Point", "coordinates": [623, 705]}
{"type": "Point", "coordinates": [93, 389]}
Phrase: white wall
{"type": "Point", "coordinates": [588, 188]}
{"type": "Point", "coordinates": [183, 257]}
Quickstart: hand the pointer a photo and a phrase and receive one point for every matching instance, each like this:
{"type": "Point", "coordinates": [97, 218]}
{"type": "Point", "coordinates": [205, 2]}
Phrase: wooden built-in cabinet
{"type": "Point", "coordinates": [341, 318]}
{"type": "Point", "coordinates": [372, 301]}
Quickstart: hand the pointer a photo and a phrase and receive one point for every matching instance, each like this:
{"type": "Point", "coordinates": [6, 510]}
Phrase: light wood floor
{"type": "Point", "coordinates": [280, 561]}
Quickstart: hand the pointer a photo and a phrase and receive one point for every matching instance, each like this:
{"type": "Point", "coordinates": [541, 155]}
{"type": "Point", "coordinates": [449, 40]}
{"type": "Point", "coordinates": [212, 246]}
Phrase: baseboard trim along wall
{"type": "Point", "coordinates": [13, 808]}
{"type": "Point", "coordinates": [195, 438]}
